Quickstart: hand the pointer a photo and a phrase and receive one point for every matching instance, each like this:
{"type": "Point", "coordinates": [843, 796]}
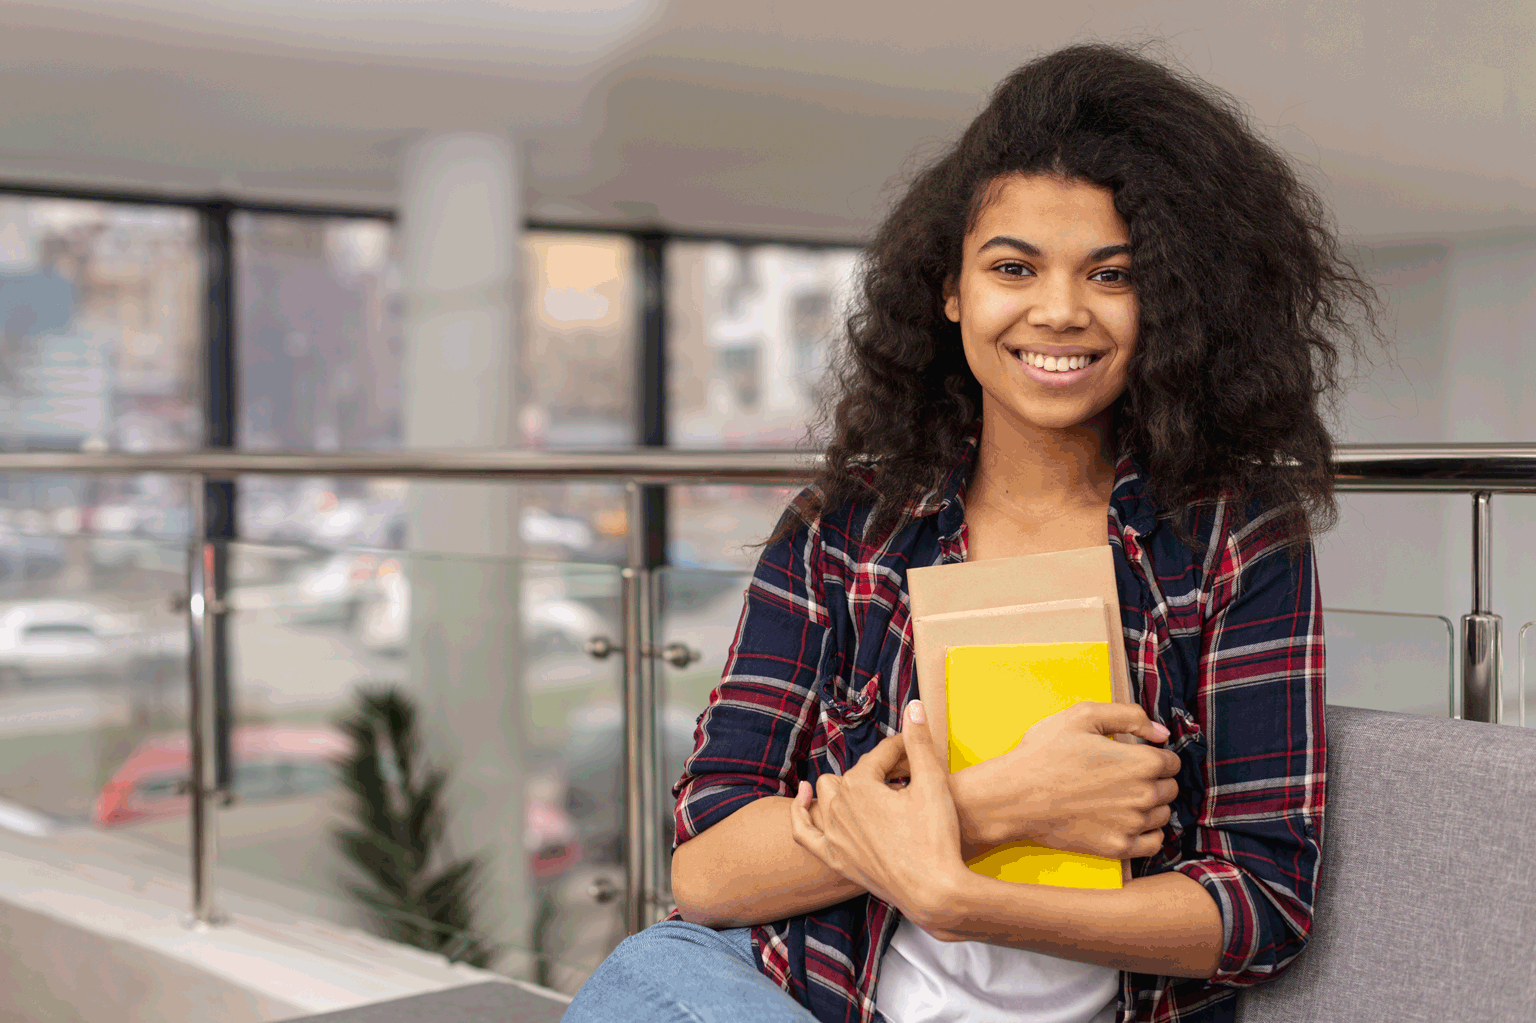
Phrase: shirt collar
{"type": "Point", "coordinates": [1136, 509]}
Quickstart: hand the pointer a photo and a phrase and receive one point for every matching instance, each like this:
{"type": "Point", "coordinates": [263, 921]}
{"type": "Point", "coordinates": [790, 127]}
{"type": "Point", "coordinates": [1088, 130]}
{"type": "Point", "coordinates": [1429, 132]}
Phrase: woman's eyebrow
{"type": "Point", "coordinates": [1007, 241]}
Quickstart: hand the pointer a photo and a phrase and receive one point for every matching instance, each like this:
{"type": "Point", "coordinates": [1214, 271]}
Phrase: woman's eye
{"type": "Point", "coordinates": [1117, 275]}
{"type": "Point", "coordinates": [1013, 269]}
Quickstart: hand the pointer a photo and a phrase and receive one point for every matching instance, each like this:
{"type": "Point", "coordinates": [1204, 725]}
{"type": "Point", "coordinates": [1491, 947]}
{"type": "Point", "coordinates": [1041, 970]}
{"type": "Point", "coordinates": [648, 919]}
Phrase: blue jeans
{"type": "Point", "coordinates": [678, 972]}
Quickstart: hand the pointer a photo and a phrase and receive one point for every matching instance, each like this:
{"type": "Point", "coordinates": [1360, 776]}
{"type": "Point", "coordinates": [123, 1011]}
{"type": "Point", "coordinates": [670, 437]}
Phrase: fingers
{"type": "Point", "coordinates": [806, 834]}
{"type": "Point", "coordinates": [1147, 844]}
{"type": "Point", "coordinates": [923, 759]}
{"type": "Point", "coordinates": [882, 760]}
{"type": "Point", "coordinates": [1111, 718]}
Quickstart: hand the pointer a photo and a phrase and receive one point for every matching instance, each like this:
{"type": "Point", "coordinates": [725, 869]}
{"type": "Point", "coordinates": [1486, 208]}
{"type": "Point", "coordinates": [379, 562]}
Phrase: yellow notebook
{"type": "Point", "coordinates": [994, 693]}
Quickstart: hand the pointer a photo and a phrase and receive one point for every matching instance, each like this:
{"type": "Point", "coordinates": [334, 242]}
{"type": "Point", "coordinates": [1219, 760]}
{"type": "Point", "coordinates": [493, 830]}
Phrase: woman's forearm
{"type": "Point", "coordinates": [748, 869]}
{"type": "Point", "coordinates": [1163, 924]}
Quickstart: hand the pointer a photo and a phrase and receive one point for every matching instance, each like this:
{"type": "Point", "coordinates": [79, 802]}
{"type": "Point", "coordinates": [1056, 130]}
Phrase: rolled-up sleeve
{"type": "Point", "coordinates": [1257, 846]}
{"type": "Point", "coordinates": [760, 719]}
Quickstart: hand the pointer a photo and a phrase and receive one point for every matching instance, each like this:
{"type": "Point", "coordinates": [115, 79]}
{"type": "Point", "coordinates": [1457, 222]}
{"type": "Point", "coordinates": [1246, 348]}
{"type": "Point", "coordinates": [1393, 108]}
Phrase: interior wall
{"type": "Point", "coordinates": [1461, 317]}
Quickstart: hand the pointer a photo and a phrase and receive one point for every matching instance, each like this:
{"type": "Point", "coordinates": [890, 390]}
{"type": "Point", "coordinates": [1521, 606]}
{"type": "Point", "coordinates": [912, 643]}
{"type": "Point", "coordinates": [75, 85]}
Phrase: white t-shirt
{"type": "Point", "coordinates": [924, 980]}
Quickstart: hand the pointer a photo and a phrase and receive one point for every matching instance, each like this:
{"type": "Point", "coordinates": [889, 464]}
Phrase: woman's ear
{"type": "Point", "coordinates": [951, 300]}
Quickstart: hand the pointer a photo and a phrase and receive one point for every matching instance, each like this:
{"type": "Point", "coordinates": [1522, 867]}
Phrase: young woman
{"type": "Point", "coordinates": [1108, 315]}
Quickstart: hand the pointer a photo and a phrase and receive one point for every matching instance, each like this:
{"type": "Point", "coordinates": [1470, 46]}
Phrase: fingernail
{"type": "Point", "coordinates": [915, 711]}
{"type": "Point", "coordinates": [1161, 731]}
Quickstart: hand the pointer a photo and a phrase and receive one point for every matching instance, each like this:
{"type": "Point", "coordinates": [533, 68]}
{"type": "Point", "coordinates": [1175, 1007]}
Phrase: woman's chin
{"type": "Point", "coordinates": [1052, 416]}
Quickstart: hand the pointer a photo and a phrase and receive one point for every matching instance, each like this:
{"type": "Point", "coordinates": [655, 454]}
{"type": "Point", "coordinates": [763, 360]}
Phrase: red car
{"type": "Point", "coordinates": [285, 763]}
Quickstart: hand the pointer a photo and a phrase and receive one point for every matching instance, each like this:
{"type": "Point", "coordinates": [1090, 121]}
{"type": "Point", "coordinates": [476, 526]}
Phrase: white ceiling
{"type": "Point", "coordinates": [775, 117]}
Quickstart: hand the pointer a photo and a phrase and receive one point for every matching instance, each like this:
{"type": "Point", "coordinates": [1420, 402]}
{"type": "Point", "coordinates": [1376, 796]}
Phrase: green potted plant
{"type": "Point", "coordinates": [398, 843]}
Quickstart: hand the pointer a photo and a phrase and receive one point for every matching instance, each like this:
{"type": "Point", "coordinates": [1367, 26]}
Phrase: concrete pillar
{"type": "Point", "coordinates": [460, 224]}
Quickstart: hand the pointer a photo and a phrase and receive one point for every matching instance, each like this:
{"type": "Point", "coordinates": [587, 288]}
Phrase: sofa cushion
{"type": "Point", "coordinates": [1426, 904]}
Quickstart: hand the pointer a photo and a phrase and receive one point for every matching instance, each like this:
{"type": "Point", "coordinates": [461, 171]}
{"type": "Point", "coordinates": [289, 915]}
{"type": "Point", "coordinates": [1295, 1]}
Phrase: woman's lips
{"type": "Point", "coordinates": [1053, 378]}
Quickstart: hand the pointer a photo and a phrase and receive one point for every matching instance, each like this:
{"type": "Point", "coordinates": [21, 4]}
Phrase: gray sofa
{"type": "Point", "coordinates": [1427, 907]}
{"type": "Point", "coordinates": [1428, 890]}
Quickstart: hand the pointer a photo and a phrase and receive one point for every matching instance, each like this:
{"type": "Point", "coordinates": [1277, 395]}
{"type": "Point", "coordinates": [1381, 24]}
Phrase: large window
{"type": "Point", "coordinates": [582, 325]}
{"type": "Point", "coordinates": [100, 341]}
{"type": "Point", "coordinates": [103, 324]}
{"type": "Point", "coordinates": [318, 332]}
{"type": "Point", "coordinates": [321, 348]}
{"type": "Point", "coordinates": [100, 349]}
{"type": "Point", "coordinates": [99, 325]}
{"type": "Point", "coordinates": [751, 329]}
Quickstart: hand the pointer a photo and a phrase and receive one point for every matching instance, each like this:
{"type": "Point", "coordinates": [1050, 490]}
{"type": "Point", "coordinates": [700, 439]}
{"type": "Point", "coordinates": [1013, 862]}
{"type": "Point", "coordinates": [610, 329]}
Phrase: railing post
{"type": "Point", "coordinates": [642, 838]}
{"type": "Point", "coordinates": [1482, 653]}
{"type": "Point", "coordinates": [203, 600]}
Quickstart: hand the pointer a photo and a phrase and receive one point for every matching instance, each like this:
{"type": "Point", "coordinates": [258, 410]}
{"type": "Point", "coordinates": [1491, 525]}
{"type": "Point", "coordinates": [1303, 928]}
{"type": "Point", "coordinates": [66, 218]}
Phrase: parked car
{"type": "Point", "coordinates": [61, 639]}
{"type": "Point", "coordinates": [287, 763]}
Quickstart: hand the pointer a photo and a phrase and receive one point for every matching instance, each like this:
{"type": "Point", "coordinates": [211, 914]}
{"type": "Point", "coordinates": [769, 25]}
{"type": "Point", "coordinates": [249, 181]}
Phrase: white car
{"type": "Point", "coordinates": [60, 639]}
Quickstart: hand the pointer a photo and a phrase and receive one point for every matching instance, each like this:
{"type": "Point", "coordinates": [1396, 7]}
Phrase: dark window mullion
{"type": "Point", "coordinates": [219, 431]}
{"type": "Point", "coordinates": [651, 382]}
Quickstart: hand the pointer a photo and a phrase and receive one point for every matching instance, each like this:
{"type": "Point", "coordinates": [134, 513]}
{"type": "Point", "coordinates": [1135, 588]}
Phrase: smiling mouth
{"type": "Point", "coordinates": [1056, 364]}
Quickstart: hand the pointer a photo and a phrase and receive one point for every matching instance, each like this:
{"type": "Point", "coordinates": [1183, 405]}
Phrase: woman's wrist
{"type": "Point", "coordinates": [982, 825]}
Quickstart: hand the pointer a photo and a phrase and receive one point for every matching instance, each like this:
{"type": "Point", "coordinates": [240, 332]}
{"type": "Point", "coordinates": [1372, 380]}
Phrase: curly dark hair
{"type": "Point", "coordinates": [1246, 301]}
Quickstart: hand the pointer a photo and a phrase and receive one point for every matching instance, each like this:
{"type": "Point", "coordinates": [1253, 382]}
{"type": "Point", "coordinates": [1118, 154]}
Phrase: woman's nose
{"type": "Point", "coordinates": [1056, 304]}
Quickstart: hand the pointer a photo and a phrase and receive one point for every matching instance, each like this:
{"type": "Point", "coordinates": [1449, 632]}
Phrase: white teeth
{"type": "Point", "coordinates": [1055, 364]}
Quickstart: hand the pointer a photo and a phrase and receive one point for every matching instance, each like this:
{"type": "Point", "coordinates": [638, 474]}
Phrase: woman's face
{"type": "Point", "coordinates": [1044, 301]}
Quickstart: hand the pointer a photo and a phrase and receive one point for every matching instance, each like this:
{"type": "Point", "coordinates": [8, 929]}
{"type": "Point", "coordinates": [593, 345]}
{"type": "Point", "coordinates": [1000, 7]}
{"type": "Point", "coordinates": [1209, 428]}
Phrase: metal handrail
{"type": "Point", "coordinates": [637, 465]}
{"type": "Point", "coordinates": [1477, 469]}
{"type": "Point", "coordinates": [1415, 468]}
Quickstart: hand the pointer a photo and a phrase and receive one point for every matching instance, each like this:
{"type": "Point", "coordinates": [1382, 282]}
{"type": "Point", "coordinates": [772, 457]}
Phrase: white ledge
{"type": "Point", "coordinates": [94, 926]}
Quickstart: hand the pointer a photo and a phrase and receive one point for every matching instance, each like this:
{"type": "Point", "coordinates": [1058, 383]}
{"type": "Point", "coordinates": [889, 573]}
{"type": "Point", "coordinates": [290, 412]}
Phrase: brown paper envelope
{"type": "Point", "coordinates": [1009, 582]}
{"type": "Point", "coordinates": [998, 582]}
{"type": "Point", "coordinates": [1060, 621]}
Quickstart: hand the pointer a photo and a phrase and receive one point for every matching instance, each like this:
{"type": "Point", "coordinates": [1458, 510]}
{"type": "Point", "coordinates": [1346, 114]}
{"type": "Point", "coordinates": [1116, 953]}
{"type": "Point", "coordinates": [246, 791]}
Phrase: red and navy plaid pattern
{"type": "Point", "coordinates": [1225, 649]}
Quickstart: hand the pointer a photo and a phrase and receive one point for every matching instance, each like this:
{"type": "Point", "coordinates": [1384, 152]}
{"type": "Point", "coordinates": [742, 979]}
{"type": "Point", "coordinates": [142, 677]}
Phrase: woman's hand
{"type": "Point", "coordinates": [899, 844]}
{"type": "Point", "coordinates": [1070, 786]}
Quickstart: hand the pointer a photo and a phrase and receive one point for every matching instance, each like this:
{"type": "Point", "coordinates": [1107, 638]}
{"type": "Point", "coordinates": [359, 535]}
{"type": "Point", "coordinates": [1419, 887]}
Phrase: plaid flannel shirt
{"type": "Point", "coordinates": [1225, 649]}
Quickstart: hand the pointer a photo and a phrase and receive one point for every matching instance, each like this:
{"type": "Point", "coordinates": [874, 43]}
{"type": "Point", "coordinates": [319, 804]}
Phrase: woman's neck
{"type": "Point", "coordinates": [1025, 471]}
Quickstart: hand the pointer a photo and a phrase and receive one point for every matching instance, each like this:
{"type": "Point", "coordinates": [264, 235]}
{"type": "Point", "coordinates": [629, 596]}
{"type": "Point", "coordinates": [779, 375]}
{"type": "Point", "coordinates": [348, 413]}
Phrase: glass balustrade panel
{"type": "Point", "coordinates": [94, 696]}
{"type": "Point", "coordinates": [1395, 661]}
{"type": "Point", "coordinates": [751, 330]}
{"type": "Point", "coordinates": [1519, 685]}
{"type": "Point", "coordinates": [721, 527]}
{"type": "Point", "coordinates": [697, 613]}
{"type": "Point", "coordinates": [399, 716]}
